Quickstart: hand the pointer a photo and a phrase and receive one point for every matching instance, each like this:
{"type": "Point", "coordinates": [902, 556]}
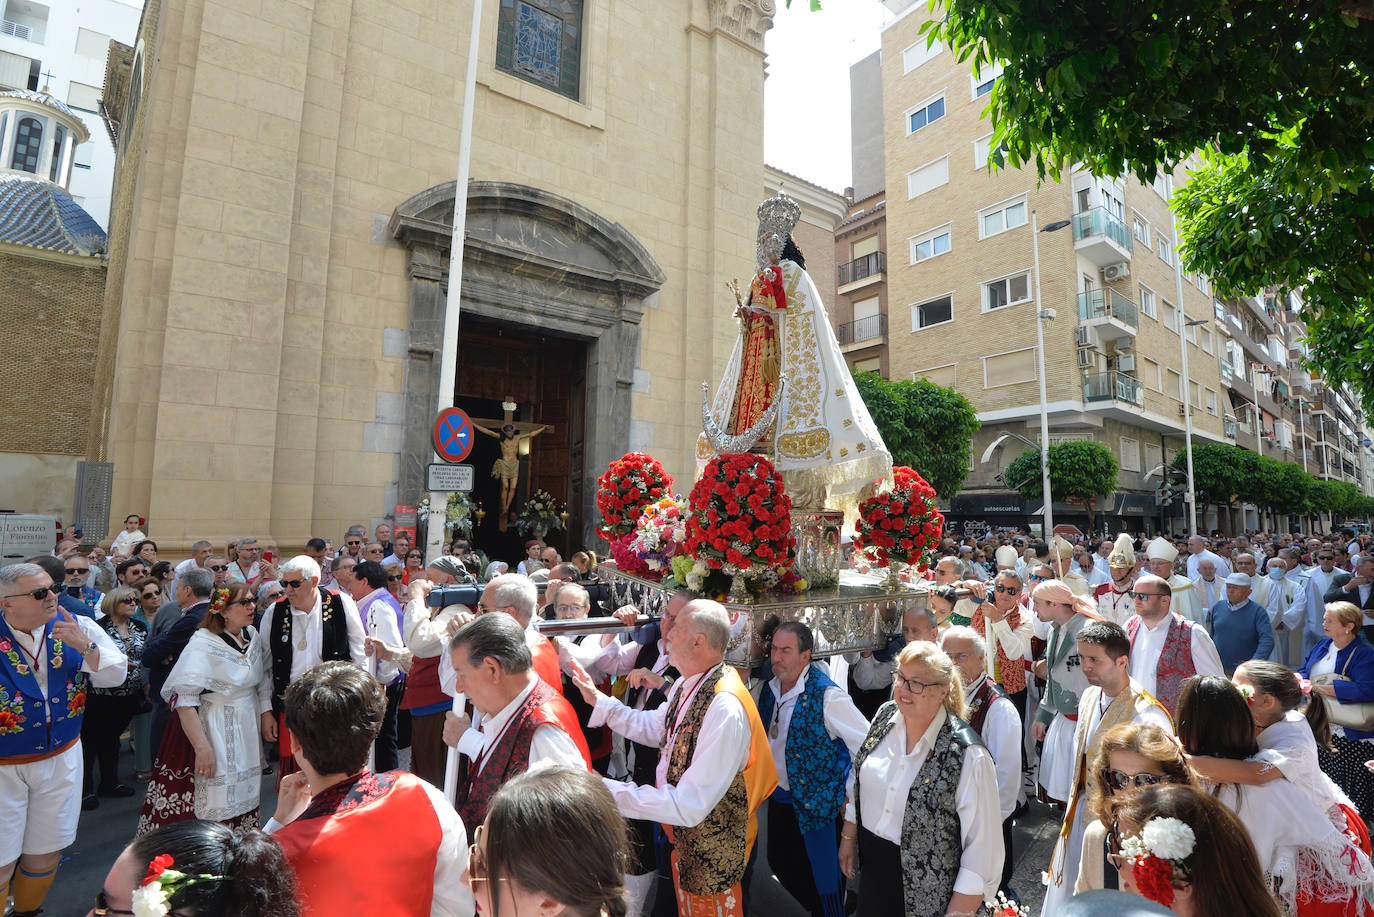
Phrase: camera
{"type": "Point", "coordinates": [456, 594]}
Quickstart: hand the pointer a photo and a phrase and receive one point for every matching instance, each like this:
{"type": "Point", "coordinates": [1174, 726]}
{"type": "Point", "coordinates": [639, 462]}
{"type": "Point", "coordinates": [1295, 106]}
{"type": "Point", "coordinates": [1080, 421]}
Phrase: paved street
{"type": "Point", "coordinates": [105, 831]}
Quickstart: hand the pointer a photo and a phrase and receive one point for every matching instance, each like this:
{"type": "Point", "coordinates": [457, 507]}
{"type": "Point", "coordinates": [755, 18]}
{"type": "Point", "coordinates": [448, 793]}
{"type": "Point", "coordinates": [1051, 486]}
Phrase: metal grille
{"type": "Point", "coordinates": [94, 492]}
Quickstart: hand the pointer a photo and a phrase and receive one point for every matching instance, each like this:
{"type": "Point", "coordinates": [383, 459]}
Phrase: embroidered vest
{"type": "Point", "coordinates": [712, 855]}
{"type": "Point", "coordinates": [422, 685]}
{"type": "Point", "coordinates": [391, 817]}
{"type": "Point", "coordinates": [333, 641]}
{"type": "Point", "coordinates": [1175, 665]}
{"type": "Point", "coordinates": [817, 765]}
{"type": "Point", "coordinates": [979, 703]}
{"type": "Point", "coordinates": [932, 843]}
{"type": "Point", "coordinates": [1010, 673]}
{"type": "Point", "coordinates": [25, 729]}
{"type": "Point", "coordinates": [543, 706]}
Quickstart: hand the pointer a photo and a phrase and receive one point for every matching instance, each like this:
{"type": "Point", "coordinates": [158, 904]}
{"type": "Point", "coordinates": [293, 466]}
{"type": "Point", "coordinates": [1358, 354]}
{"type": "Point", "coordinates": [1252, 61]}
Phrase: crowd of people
{"type": "Point", "coordinates": [1196, 713]}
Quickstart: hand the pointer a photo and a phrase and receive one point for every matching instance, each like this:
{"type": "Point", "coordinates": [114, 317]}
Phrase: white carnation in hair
{"type": "Point", "coordinates": [150, 901]}
{"type": "Point", "coordinates": [1132, 846]}
{"type": "Point", "coordinates": [1169, 838]}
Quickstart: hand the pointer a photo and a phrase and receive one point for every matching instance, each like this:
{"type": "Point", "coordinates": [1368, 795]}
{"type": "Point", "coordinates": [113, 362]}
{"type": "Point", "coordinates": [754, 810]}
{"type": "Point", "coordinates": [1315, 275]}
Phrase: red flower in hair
{"type": "Point", "coordinates": [160, 864]}
{"type": "Point", "coordinates": [1154, 878]}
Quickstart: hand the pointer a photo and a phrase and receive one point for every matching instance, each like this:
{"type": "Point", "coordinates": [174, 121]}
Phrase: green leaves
{"type": "Point", "coordinates": [1079, 473]}
{"type": "Point", "coordinates": [926, 427]}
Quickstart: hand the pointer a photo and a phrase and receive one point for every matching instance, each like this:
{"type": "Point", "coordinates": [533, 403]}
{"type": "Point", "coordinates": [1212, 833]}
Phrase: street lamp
{"type": "Point", "coordinates": [1040, 371]}
{"type": "Point", "coordinates": [1187, 394]}
{"type": "Point", "coordinates": [1259, 449]}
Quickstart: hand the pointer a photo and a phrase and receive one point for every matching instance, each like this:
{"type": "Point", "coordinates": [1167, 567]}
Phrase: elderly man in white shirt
{"type": "Point", "coordinates": [1198, 551]}
{"type": "Point", "coordinates": [1210, 587]}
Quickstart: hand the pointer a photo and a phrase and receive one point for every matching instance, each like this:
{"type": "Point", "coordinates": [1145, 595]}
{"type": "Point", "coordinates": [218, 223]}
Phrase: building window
{"type": "Point", "coordinates": [28, 145]}
{"type": "Point", "coordinates": [1001, 217]}
{"type": "Point", "coordinates": [936, 312]}
{"type": "Point", "coordinates": [983, 80]}
{"type": "Point", "coordinates": [541, 41]}
{"type": "Point", "coordinates": [935, 242]}
{"type": "Point", "coordinates": [1175, 385]}
{"type": "Point", "coordinates": [1212, 402]}
{"type": "Point", "coordinates": [1150, 374]}
{"type": "Point", "coordinates": [1006, 291]}
{"type": "Point", "coordinates": [916, 55]}
{"type": "Point", "coordinates": [59, 135]}
{"type": "Point", "coordinates": [982, 149]}
{"type": "Point", "coordinates": [1204, 334]}
{"type": "Point", "coordinates": [926, 178]}
{"type": "Point", "coordinates": [1166, 251]}
{"type": "Point", "coordinates": [871, 365]}
{"type": "Point", "coordinates": [1170, 317]}
{"type": "Point", "coordinates": [1141, 228]}
{"type": "Point", "coordinates": [1009, 368]}
{"type": "Point", "coordinates": [86, 98]}
{"type": "Point", "coordinates": [945, 376]}
{"type": "Point", "coordinates": [1130, 454]}
{"type": "Point", "coordinates": [1160, 184]}
{"type": "Point", "coordinates": [928, 113]}
{"type": "Point", "coordinates": [1147, 302]}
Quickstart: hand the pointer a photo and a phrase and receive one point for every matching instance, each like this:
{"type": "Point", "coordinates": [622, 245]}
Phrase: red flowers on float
{"type": "Point", "coordinates": [901, 525]}
{"type": "Point", "coordinates": [741, 520]}
{"type": "Point", "coordinates": [630, 483]}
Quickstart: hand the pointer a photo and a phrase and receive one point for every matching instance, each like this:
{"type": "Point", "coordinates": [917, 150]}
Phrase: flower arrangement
{"type": "Point", "coordinates": [630, 483]}
{"type": "Point", "coordinates": [1001, 906]}
{"type": "Point", "coordinates": [457, 514]}
{"type": "Point", "coordinates": [901, 525]}
{"type": "Point", "coordinates": [659, 536]}
{"type": "Point", "coordinates": [1158, 857]}
{"type": "Point", "coordinates": [152, 897]}
{"type": "Point", "coordinates": [539, 514]}
{"type": "Point", "coordinates": [740, 526]}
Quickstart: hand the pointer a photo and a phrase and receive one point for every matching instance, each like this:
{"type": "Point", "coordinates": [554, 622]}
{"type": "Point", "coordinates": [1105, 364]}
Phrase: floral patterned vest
{"type": "Point", "coordinates": [932, 845]}
{"type": "Point", "coordinates": [1010, 673]}
{"type": "Point", "coordinates": [979, 703]}
{"type": "Point", "coordinates": [817, 765]}
{"type": "Point", "coordinates": [25, 730]}
{"type": "Point", "coordinates": [1175, 665]}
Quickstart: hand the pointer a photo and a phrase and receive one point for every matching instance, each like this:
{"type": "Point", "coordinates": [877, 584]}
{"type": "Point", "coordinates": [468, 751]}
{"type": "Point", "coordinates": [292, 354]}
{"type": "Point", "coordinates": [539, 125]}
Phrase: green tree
{"type": "Point", "coordinates": [1279, 95]}
{"type": "Point", "coordinates": [1290, 487]}
{"type": "Point", "coordinates": [1216, 472]}
{"type": "Point", "coordinates": [1080, 472]}
{"type": "Point", "coordinates": [925, 426]}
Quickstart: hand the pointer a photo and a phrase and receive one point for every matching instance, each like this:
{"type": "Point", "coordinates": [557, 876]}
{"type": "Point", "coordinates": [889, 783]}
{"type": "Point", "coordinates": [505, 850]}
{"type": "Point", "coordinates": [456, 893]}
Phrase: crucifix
{"type": "Point", "coordinates": [510, 437]}
{"type": "Point", "coordinates": [47, 79]}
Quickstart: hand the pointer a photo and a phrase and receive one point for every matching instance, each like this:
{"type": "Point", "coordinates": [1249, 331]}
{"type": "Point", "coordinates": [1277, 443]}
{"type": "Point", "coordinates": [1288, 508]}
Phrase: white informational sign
{"type": "Point", "coordinates": [444, 478]}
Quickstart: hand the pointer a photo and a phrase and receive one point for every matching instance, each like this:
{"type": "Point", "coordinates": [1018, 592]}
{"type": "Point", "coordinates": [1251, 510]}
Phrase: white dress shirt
{"type": "Point", "coordinates": [112, 664]}
{"type": "Point", "coordinates": [379, 622]}
{"type": "Point", "coordinates": [1002, 735]}
{"type": "Point", "coordinates": [548, 745]}
{"type": "Point", "coordinates": [1149, 643]}
{"type": "Point", "coordinates": [888, 773]}
{"type": "Point", "coordinates": [843, 721]}
{"type": "Point", "coordinates": [869, 673]}
{"type": "Point", "coordinates": [427, 636]}
{"type": "Point", "coordinates": [1223, 568]}
{"type": "Point", "coordinates": [1102, 566]}
{"type": "Point", "coordinates": [309, 622]}
{"type": "Point", "coordinates": [1096, 576]}
{"type": "Point", "coordinates": [722, 751]}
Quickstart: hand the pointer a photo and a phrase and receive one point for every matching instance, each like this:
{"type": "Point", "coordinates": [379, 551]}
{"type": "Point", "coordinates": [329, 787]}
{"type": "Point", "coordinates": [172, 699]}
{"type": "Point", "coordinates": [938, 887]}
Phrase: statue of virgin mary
{"type": "Point", "coordinates": [787, 391]}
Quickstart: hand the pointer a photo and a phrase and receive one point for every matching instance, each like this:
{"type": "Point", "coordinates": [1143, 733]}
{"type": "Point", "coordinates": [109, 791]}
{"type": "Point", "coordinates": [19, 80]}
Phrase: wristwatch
{"type": "Point", "coordinates": [90, 648]}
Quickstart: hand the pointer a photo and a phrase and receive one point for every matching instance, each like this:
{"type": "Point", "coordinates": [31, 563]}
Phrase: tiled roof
{"type": "Point", "coordinates": [41, 98]}
{"type": "Point", "coordinates": [42, 215]}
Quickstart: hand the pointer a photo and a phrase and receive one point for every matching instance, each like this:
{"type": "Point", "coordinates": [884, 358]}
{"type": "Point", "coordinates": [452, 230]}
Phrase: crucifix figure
{"type": "Point", "coordinates": [507, 467]}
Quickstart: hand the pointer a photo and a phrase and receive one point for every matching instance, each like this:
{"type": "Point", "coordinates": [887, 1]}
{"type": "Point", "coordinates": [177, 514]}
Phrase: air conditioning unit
{"type": "Point", "coordinates": [1114, 272]}
{"type": "Point", "coordinates": [1082, 337]}
{"type": "Point", "coordinates": [1183, 410]}
{"type": "Point", "coordinates": [1087, 358]}
{"type": "Point", "coordinates": [1125, 362]}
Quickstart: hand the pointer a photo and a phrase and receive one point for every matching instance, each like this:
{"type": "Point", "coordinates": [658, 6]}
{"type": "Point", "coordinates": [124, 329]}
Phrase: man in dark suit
{"type": "Point", "coordinates": [162, 652]}
{"type": "Point", "coordinates": [1358, 589]}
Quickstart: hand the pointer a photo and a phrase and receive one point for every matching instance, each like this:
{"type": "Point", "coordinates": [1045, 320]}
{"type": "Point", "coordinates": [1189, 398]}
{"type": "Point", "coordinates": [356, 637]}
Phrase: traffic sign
{"type": "Point", "coordinates": [443, 478]}
{"type": "Point", "coordinates": [453, 435]}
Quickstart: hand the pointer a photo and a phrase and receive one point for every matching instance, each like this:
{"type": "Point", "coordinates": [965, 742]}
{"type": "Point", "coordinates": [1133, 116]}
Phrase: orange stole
{"type": "Point", "coordinates": [389, 841]}
{"type": "Point", "coordinates": [760, 773]}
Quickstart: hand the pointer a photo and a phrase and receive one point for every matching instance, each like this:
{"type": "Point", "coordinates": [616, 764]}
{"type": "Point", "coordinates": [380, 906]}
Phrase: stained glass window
{"type": "Point", "coordinates": [28, 144]}
{"type": "Point", "coordinates": [541, 41]}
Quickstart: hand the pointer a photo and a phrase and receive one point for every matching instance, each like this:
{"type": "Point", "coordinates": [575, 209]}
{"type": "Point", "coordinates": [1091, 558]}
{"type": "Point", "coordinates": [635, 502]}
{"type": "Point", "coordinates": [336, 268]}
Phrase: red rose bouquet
{"type": "Point", "coordinates": [740, 523]}
{"type": "Point", "coordinates": [631, 483]}
{"type": "Point", "coordinates": [901, 525]}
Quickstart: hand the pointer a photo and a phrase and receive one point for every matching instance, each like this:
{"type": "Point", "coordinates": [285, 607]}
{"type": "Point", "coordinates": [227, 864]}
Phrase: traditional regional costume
{"type": "Point", "coordinates": [538, 727]}
{"type": "Point", "coordinates": [42, 699]}
{"type": "Point", "coordinates": [1114, 602]}
{"type": "Point", "coordinates": [299, 640]}
{"type": "Point", "coordinates": [1185, 601]}
{"type": "Point", "coordinates": [1061, 562]}
{"type": "Point", "coordinates": [1064, 685]}
{"type": "Point", "coordinates": [814, 729]}
{"type": "Point", "coordinates": [1168, 653]}
{"type": "Point", "coordinates": [927, 821]}
{"type": "Point", "coordinates": [426, 630]}
{"type": "Point", "coordinates": [223, 680]}
{"type": "Point", "coordinates": [1097, 713]}
{"type": "Point", "coordinates": [716, 771]}
{"type": "Point", "coordinates": [997, 721]}
{"type": "Point", "coordinates": [1008, 644]}
{"type": "Point", "coordinates": [366, 845]}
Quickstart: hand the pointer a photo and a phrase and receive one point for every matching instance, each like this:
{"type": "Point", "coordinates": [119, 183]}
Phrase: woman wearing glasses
{"type": "Point", "coordinates": [1347, 662]}
{"type": "Point", "coordinates": [109, 710]}
{"type": "Point", "coordinates": [415, 567]}
{"type": "Point", "coordinates": [922, 827]}
{"type": "Point", "coordinates": [210, 764]}
{"type": "Point", "coordinates": [1130, 756]}
{"type": "Point", "coordinates": [553, 843]}
{"type": "Point", "coordinates": [1313, 867]}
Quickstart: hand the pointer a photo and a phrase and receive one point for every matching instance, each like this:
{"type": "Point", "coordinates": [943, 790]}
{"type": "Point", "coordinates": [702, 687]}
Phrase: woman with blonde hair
{"type": "Point", "coordinates": [1341, 669]}
{"type": "Point", "coordinates": [110, 710]}
{"type": "Point", "coordinates": [932, 841]}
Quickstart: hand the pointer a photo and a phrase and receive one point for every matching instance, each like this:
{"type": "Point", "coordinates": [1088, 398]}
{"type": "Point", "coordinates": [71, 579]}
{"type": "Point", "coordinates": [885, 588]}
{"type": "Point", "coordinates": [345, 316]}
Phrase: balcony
{"type": "Point", "coordinates": [1101, 237]}
{"type": "Point", "coordinates": [861, 272]}
{"type": "Point", "coordinates": [1113, 387]}
{"type": "Point", "coordinates": [864, 331]}
{"type": "Point", "coordinates": [1228, 374]}
{"type": "Point", "coordinates": [1230, 428]}
{"type": "Point", "coordinates": [1107, 316]}
{"type": "Point", "coordinates": [15, 29]}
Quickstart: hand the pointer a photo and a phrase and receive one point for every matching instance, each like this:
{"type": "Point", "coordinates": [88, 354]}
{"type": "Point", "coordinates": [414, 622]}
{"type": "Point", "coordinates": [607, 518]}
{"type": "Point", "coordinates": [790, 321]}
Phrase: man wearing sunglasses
{"type": "Point", "coordinates": [1320, 578]}
{"type": "Point", "coordinates": [47, 659]}
{"type": "Point", "coordinates": [1166, 648]}
{"type": "Point", "coordinates": [1112, 698]}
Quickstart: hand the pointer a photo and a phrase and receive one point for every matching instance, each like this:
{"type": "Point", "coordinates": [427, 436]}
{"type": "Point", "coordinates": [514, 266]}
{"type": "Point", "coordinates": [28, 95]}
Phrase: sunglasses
{"type": "Point", "coordinates": [1120, 780]}
{"type": "Point", "coordinates": [352, 542]}
{"type": "Point", "coordinates": [246, 602]}
{"type": "Point", "coordinates": [1142, 596]}
{"type": "Point", "coordinates": [38, 594]}
{"type": "Point", "coordinates": [415, 557]}
{"type": "Point", "coordinates": [477, 860]}
{"type": "Point", "coordinates": [1009, 590]}
{"type": "Point", "coordinates": [72, 571]}
{"type": "Point", "coordinates": [152, 595]}
{"type": "Point", "coordinates": [102, 906]}
{"type": "Point", "coordinates": [395, 578]}
{"type": "Point", "coordinates": [292, 583]}
{"type": "Point", "coordinates": [129, 601]}
{"type": "Point", "coordinates": [219, 568]}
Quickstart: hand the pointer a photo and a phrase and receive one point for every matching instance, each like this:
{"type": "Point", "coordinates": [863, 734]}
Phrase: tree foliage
{"type": "Point", "coordinates": [1225, 474]}
{"type": "Point", "coordinates": [1080, 472]}
{"type": "Point", "coordinates": [1280, 96]}
{"type": "Point", "coordinates": [925, 426]}
{"type": "Point", "coordinates": [1216, 472]}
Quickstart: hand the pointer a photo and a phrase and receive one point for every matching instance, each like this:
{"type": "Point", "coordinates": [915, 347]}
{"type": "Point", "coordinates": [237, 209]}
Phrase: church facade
{"type": "Point", "coordinates": [279, 249]}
